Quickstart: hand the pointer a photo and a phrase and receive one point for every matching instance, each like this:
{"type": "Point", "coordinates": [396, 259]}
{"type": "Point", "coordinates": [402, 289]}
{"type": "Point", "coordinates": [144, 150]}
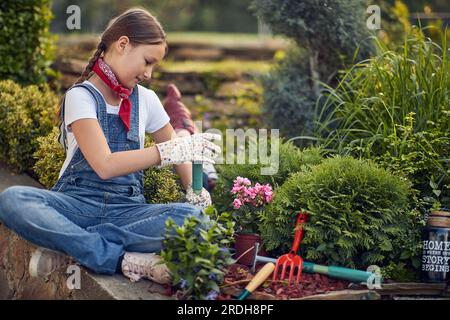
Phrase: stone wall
{"type": "Point", "coordinates": [16, 282]}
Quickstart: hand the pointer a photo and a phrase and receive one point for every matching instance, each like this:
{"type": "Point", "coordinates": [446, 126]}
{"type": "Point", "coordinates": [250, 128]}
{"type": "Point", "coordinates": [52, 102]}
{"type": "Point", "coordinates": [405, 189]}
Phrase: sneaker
{"type": "Point", "coordinates": [44, 261]}
{"type": "Point", "coordinates": [136, 266]}
{"type": "Point", "coordinates": [179, 114]}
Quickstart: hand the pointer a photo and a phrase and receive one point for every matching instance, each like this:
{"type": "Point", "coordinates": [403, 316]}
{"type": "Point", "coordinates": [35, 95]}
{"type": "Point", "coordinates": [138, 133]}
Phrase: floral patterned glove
{"type": "Point", "coordinates": [196, 147]}
{"type": "Point", "coordinates": [202, 200]}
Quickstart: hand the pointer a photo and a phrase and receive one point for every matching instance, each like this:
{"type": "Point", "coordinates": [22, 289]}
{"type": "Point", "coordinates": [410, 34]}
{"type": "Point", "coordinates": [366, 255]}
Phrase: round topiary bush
{"type": "Point", "coordinates": [359, 215]}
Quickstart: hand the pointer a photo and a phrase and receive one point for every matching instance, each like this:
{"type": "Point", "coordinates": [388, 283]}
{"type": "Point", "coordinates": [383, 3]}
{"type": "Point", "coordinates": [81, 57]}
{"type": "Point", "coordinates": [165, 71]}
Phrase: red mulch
{"type": "Point", "coordinates": [310, 284]}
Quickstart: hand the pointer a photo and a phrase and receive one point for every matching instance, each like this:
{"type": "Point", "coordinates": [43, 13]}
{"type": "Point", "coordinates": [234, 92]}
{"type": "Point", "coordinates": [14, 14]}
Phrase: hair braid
{"type": "Point", "coordinates": [100, 48]}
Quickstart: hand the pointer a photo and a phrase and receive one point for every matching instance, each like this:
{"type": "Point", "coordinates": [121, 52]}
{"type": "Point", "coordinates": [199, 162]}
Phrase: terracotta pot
{"type": "Point", "coordinates": [245, 241]}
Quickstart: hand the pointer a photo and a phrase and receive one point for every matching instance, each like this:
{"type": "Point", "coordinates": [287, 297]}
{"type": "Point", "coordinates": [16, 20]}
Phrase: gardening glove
{"type": "Point", "coordinates": [202, 200]}
{"type": "Point", "coordinates": [196, 147]}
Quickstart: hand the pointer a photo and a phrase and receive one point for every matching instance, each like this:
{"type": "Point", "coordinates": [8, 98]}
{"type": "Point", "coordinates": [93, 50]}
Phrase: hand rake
{"type": "Point", "coordinates": [292, 259]}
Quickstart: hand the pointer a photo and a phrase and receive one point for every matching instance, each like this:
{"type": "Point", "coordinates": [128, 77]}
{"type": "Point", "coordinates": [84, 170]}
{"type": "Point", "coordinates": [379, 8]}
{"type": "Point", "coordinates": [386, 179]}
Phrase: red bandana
{"type": "Point", "coordinates": [105, 73]}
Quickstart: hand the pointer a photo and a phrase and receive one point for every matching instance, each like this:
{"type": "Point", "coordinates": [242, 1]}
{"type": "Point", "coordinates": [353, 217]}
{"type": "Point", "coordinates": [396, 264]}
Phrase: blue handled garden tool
{"type": "Point", "coordinates": [197, 176]}
{"type": "Point", "coordinates": [347, 274]}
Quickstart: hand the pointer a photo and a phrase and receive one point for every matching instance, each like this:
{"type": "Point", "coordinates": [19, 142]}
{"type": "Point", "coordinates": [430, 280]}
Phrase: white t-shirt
{"type": "Point", "coordinates": [80, 104]}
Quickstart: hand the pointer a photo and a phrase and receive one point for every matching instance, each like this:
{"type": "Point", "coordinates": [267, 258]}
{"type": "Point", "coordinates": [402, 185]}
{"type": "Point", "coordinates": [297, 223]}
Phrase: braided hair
{"type": "Point", "coordinates": [87, 71]}
{"type": "Point", "coordinates": [140, 26]}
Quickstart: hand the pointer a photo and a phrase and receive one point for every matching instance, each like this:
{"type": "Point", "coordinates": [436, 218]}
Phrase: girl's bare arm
{"type": "Point", "coordinates": [93, 145]}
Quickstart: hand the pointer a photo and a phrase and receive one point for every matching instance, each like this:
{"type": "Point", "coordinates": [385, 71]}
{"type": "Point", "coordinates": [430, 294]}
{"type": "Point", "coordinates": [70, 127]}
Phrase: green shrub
{"type": "Point", "coordinates": [26, 113]}
{"type": "Point", "coordinates": [193, 253]}
{"type": "Point", "coordinates": [394, 109]}
{"type": "Point", "coordinates": [359, 215]}
{"type": "Point", "coordinates": [291, 159]}
{"type": "Point", "coordinates": [160, 185]}
{"type": "Point", "coordinates": [422, 157]}
{"type": "Point", "coordinates": [26, 46]}
{"type": "Point", "coordinates": [49, 157]}
{"type": "Point", "coordinates": [288, 100]}
{"type": "Point", "coordinates": [376, 95]}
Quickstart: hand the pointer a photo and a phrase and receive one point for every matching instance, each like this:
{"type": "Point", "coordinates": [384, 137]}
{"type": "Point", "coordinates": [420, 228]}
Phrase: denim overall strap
{"type": "Point", "coordinates": [80, 174]}
{"type": "Point", "coordinates": [62, 137]}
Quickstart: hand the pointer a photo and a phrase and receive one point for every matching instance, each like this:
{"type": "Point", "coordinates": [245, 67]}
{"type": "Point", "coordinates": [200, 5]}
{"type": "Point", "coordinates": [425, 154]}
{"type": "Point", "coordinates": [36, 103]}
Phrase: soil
{"type": "Point", "coordinates": [310, 284]}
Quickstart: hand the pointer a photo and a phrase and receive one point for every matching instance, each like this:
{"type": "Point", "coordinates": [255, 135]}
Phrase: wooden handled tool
{"type": "Point", "coordinates": [257, 280]}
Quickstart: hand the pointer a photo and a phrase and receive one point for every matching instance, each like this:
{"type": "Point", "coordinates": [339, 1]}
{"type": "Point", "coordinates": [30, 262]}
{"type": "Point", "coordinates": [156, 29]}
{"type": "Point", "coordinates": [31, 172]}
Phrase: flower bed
{"type": "Point", "coordinates": [238, 277]}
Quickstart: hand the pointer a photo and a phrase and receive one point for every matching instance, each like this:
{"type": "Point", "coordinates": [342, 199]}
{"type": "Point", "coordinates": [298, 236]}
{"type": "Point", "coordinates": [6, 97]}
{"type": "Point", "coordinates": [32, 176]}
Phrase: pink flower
{"type": "Point", "coordinates": [237, 189]}
{"type": "Point", "coordinates": [237, 203]}
{"type": "Point", "coordinates": [256, 196]}
{"type": "Point", "coordinates": [242, 181]}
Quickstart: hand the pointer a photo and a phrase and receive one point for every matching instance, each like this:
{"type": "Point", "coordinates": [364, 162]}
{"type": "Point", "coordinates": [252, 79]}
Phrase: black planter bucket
{"type": "Point", "coordinates": [436, 248]}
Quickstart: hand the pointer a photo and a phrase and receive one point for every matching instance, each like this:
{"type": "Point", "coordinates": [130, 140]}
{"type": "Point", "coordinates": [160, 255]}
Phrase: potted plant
{"type": "Point", "coordinates": [248, 203]}
{"type": "Point", "coordinates": [194, 253]}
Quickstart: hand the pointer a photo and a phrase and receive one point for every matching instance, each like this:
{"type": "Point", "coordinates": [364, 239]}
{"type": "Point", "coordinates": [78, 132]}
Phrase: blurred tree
{"type": "Point", "coordinates": [331, 33]}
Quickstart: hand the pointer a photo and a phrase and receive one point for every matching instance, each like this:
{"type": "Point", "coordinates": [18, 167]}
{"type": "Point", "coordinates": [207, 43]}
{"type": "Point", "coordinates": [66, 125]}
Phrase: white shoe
{"type": "Point", "coordinates": [44, 261]}
{"type": "Point", "coordinates": [136, 266]}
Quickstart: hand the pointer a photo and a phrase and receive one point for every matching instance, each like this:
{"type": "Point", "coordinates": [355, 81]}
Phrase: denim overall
{"type": "Point", "coordinates": [93, 220]}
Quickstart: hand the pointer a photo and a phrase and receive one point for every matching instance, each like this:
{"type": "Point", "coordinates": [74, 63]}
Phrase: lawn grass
{"type": "Point", "coordinates": [225, 39]}
{"type": "Point", "coordinates": [225, 66]}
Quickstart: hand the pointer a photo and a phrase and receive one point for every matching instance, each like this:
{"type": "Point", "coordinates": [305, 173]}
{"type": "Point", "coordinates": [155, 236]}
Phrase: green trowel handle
{"type": "Point", "coordinates": [197, 177]}
{"type": "Point", "coordinates": [337, 272]}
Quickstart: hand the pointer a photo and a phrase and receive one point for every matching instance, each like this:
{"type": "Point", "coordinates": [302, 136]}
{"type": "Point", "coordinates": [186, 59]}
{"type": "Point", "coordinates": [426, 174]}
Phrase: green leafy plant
{"type": "Point", "coordinates": [376, 95]}
{"type": "Point", "coordinates": [26, 46]}
{"type": "Point", "coordinates": [196, 253]}
{"type": "Point", "coordinates": [49, 158]}
{"type": "Point", "coordinates": [422, 157]}
{"type": "Point", "coordinates": [359, 215]}
{"type": "Point", "coordinates": [26, 113]}
{"type": "Point", "coordinates": [160, 186]}
{"type": "Point", "coordinates": [393, 109]}
{"type": "Point", "coordinates": [291, 159]}
{"type": "Point", "coordinates": [248, 203]}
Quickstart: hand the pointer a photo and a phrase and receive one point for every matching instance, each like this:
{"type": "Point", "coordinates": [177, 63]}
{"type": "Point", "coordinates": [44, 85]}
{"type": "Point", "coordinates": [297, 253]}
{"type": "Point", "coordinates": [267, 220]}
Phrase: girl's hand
{"type": "Point", "coordinates": [202, 200]}
{"type": "Point", "coordinates": [196, 147]}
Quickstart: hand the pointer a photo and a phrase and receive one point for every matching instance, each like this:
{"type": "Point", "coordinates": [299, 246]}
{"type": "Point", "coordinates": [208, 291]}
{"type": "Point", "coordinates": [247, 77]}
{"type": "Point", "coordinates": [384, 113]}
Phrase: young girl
{"type": "Point", "coordinates": [96, 212]}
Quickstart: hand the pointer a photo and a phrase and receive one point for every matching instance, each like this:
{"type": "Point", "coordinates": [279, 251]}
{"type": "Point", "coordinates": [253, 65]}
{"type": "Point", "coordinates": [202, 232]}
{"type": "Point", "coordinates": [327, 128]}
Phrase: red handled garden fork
{"type": "Point", "coordinates": [291, 259]}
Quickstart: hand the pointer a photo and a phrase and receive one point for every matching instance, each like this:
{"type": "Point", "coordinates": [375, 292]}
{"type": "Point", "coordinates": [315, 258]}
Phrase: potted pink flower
{"type": "Point", "coordinates": [248, 202]}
